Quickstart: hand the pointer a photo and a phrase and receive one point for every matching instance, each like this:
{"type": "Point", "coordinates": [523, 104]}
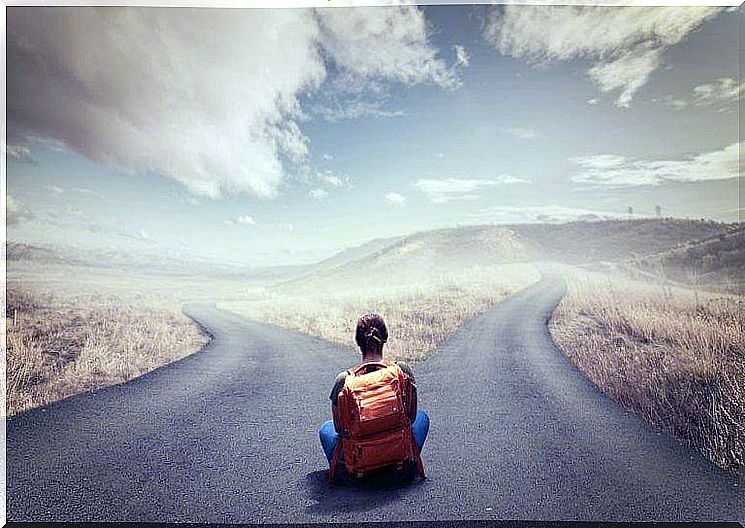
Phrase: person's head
{"type": "Point", "coordinates": [371, 335]}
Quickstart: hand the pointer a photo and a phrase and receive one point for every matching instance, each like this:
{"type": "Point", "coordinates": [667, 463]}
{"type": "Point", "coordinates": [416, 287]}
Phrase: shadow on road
{"type": "Point", "coordinates": [357, 495]}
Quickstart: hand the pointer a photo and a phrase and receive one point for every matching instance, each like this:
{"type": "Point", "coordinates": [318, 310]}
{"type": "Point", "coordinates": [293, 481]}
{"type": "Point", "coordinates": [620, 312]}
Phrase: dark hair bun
{"type": "Point", "coordinates": [371, 330]}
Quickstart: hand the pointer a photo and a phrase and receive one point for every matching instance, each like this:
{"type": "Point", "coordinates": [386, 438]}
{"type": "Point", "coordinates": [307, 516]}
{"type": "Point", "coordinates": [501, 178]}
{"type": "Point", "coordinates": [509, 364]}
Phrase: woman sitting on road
{"type": "Point", "coordinates": [371, 334]}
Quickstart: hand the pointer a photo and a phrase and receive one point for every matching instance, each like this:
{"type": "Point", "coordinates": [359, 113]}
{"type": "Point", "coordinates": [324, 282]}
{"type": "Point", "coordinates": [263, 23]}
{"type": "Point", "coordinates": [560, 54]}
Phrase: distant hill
{"type": "Point", "coordinates": [446, 250]}
{"type": "Point", "coordinates": [20, 254]}
{"type": "Point", "coordinates": [714, 249]}
{"type": "Point", "coordinates": [613, 240]}
{"type": "Point", "coordinates": [15, 251]}
{"type": "Point", "coordinates": [716, 261]}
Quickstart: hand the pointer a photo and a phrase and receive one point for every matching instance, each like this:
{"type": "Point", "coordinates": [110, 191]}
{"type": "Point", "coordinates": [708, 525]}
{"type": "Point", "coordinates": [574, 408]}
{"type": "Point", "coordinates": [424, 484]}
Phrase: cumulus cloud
{"type": "Point", "coordinates": [242, 220]}
{"type": "Point", "coordinates": [626, 43]}
{"type": "Point", "coordinates": [454, 189]}
{"type": "Point", "coordinates": [394, 198]}
{"type": "Point", "coordinates": [206, 97]}
{"type": "Point", "coordinates": [619, 171]}
{"type": "Point", "coordinates": [318, 194]}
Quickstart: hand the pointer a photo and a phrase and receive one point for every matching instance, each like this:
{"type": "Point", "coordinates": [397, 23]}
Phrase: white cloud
{"type": "Point", "coordinates": [678, 103]}
{"type": "Point", "coordinates": [327, 157]}
{"type": "Point", "coordinates": [328, 177]}
{"type": "Point", "coordinates": [394, 198]}
{"type": "Point", "coordinates": [462, 58]}
{"type": "Point", "coordinates": [19, 153]}
{"type": "Point", "coordinates": [382, 43]}
{"type": "Point", "coordinates": [520, 132]}
{"type": "Point", "coordinates": [511, 179]}
{"type": "Point", "coordinates": [542, 214]}
{"type": "Point", "coordinates": [627, 73]}
{"type": "Point", "coordinates": [15, 211]}
{"type": "Point", "coordinates": [625, 42]}
{"type": "Point", "coordinates": [205, 97]}
{"type": "Point", "coordinates": [619, 171]}
{"type": "Point", "coordinates": [318, 194]}
{"type": "Point", "coordinates": [243, 220]}
{"type": "Point", "coordinates": [454, 189]}
{"type": "Point", "coordinates": [724, 89]}
{"type": "Point", "coordinates": [354, 109]}
{"type": "Point", "coordinates": [55, 189]}
{"type": "Point", "coordinates": [89, 192]}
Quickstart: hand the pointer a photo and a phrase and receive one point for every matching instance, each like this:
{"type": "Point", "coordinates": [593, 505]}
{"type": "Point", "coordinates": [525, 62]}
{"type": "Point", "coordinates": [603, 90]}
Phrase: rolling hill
{"type": "Point", "coordinates": [443, 251]}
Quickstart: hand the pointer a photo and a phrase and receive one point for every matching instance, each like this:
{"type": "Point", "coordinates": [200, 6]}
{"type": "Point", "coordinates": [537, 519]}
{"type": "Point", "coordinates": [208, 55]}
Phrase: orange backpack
{"type": "Point", "coordinates": [371, 418]}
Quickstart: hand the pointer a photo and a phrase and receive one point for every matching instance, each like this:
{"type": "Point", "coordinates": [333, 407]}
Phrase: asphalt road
{"type": "Point", "coordinates": [230, 434]}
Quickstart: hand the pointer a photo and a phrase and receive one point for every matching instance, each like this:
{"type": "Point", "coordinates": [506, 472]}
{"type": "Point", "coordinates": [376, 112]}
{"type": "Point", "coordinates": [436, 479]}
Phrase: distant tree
{"type": "Point", "coordinates": [658, 211]}
{"type": "Point", "coordinates": [631, 211]}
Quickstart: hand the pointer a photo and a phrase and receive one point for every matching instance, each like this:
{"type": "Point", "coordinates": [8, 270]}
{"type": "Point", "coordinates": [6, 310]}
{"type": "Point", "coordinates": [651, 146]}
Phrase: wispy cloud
{"type": "Point", "coordinates": [620, 171]}
{"type": "Point", "coordinates": [400, 38]}
{"type": "Point", "coordinates": [521, 132]}
{"type": "Point", "coordinates": [15, 211]}
{"type": "Point", "coordinates": [626, 43]}
{"type": "Point", "coordinates": [542, 213]}
{"type": "Point", "coordinates": [330, 178]}
{"type": "Point", "coordinates": [318, 194]}
{"type": "Point", "coordinates": [19, 153]}
{"type": "Point", "coordinates": [396, 199]}
{"type": "Point", "coordinates": [454, 189]}
{"type": "Point", "coordinates": [241, 220]}
{"type": "Point", "coordinates": [346, 109]}
{"type": "Point", "coordinates": [723, 90]}
{"type": "Point", "coordinates": [510, 179]}
{"type": "Point", "coordinates": [462, 58]}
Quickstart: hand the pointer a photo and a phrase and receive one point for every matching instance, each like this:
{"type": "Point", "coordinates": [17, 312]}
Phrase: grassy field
{"type": "Point", "coordinates": [62, 344]}
{"type": "Point", "coordinates": [672, 355]}
{"type": "Point", "coordinates": [419, 315]}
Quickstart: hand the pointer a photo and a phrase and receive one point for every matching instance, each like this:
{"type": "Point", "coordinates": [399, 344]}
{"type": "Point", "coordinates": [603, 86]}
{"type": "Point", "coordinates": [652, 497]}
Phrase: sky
{"type": "Point", "coordinates": [268, 137]}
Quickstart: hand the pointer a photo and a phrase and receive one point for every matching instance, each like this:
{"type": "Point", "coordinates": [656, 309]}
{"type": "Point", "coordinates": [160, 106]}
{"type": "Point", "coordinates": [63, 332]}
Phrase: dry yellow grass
{"type": "Point", "coordinates": [57, 348]}
{"type": "Point", "coordinates": [674, 356]}
{"type": "Point", "coordinates": [419, 317]}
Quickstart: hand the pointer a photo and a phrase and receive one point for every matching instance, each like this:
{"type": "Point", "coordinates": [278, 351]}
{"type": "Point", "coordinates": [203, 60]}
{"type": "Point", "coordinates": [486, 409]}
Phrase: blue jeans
{"type": "Point", "coordinates": [329, 436]}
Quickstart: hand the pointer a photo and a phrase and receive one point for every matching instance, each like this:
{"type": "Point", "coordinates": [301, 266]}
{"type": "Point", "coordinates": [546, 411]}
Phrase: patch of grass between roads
{"type": "Point", "coordinates": [420, 314]}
